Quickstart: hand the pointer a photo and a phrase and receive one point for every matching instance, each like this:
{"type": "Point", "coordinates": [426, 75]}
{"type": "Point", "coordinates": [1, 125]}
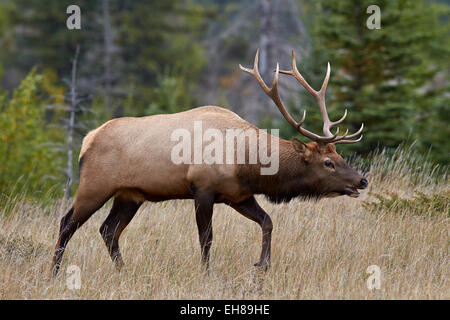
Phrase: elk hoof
{"type": "Point", "coordinates": [263, 266]}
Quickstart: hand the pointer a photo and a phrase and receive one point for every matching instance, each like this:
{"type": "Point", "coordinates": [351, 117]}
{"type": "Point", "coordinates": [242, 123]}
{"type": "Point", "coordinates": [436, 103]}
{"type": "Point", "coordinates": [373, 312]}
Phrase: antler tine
{"type": "Point", "coordinates": [255, 72]}
{"type": "Point", "coordinates": [344, 136]}
{"type": "Point", "coordinates": [294, 72]}
{"type": "Point", "coordinates": [341, 139]}
{"type": "Point", "coordinates": [323, 89]}
{"type": "Point", "coordinates": [320, 97]}
{"type": "Point", "coordinates": [303, 119]}
{"type": "Point", "coordinates": [349, 141]}
{"type": "Point", "coordinates": [341, 119]}
{"type": "Point", "coordinates": [357, 133]}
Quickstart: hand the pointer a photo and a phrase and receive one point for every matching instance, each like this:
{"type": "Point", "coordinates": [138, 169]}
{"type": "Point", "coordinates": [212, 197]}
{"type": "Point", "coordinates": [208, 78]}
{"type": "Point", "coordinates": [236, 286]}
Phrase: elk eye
{"type": "Point", "coordinates": [329, 164]}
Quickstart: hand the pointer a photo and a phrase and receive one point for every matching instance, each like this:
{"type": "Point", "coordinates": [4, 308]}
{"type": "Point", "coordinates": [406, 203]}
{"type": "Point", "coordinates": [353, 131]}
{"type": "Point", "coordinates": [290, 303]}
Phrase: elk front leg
{"type": "Point", "coordinates": [204, 203]}
{"type": "Point", "coordinates": [251, 210]}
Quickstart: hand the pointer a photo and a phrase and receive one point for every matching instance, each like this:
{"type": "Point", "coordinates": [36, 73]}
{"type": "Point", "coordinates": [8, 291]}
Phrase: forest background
{"type": "Point", "coordinates": [138, 58]}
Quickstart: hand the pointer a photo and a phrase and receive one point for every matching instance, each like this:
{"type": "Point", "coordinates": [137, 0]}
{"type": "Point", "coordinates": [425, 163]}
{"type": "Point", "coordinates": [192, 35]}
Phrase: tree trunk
{"type": "Point", "coordinates": [71, 125]}
{"type": "Point", "coordinates": [108, 48]}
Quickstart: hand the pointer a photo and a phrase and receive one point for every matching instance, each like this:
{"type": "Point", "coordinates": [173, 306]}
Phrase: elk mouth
{"type": "Point", "coordinates": [351, 192]}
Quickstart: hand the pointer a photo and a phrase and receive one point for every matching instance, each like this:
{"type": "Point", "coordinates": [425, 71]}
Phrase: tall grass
{"type": "Point", "coordinates": [320, 250]}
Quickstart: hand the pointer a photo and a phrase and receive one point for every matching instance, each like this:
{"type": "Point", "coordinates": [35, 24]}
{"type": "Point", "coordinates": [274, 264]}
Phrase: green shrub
{"type": "Point", "coordinates": [420, 204]}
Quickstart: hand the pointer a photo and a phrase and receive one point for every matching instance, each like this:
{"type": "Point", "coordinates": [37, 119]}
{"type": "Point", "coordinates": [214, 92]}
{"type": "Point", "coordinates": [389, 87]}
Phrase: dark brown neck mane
{"type": "Point", "coordinates": [292, 180]}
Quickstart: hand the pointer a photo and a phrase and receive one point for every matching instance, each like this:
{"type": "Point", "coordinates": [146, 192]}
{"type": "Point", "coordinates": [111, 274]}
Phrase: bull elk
{"type": "Point", "coordinates": [129, 159]}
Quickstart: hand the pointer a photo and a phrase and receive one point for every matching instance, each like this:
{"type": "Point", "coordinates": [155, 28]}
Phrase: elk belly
{"type": "Point", "coordinates": [130, 194]}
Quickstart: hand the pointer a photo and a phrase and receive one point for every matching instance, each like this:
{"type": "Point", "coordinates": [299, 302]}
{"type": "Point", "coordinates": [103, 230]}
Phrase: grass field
{"type": "Point", "coordinates": [320, 250]}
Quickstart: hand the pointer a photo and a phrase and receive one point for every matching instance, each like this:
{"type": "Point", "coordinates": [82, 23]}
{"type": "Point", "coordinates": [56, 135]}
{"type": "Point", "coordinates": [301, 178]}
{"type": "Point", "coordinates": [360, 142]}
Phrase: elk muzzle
{"type": "Point", "coordinates": [353, 190]}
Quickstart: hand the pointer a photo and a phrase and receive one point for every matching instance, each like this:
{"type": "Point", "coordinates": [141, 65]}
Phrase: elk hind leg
{"type": "Point", "coordinates": [84, 207]}
{"type": "Point", "coordinates": [122, 212]}
{"type": "Point", "coordinates": [204, 204]}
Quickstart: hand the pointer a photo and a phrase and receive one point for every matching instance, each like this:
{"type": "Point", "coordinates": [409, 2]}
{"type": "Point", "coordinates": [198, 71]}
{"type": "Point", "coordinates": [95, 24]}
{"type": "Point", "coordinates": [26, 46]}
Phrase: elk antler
{"type": "Point", "coordinates": [318, 95]}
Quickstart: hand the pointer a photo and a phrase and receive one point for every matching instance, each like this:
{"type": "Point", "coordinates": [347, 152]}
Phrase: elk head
{"type": "Point", "coordinates": [328, 174]}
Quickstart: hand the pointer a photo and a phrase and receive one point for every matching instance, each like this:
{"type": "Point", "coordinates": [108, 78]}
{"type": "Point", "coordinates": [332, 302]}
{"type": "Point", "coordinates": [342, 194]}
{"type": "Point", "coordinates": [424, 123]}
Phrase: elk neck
{"type": "Point", "coordinates": [293, 179]}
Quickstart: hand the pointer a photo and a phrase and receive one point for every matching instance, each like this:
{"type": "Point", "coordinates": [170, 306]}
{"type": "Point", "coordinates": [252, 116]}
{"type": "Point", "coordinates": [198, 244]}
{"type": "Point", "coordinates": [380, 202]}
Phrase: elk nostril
{"type": "Point", "coordinates": [364, 183]}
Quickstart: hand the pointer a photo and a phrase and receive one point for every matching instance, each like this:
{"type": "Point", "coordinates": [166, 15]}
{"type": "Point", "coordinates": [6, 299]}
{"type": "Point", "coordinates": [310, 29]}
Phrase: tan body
{"type": "Point", "coordinates": [131, 158]}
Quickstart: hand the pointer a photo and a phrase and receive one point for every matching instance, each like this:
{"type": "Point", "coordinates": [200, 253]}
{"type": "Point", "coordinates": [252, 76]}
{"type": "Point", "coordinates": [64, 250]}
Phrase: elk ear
{"type": "Point", "coordinates": [331, 147]}
{"type": "Point", "coordinates": [299, 146]}
{"type": "Point", "coordinates": [302, 148]}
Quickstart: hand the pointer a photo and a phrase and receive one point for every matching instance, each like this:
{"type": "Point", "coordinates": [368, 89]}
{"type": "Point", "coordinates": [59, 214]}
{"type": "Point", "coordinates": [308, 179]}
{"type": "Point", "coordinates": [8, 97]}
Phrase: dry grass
{"type": "Point", "coordinates": [321, 250]}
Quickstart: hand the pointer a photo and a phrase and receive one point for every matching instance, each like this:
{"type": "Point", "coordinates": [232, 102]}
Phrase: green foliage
{"type": "Point", "coordinates": [27, 160]}
{"type": "Point", "coordinates": [421, 204]}
{"type": "Point", "coordinates": [169, 96]}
